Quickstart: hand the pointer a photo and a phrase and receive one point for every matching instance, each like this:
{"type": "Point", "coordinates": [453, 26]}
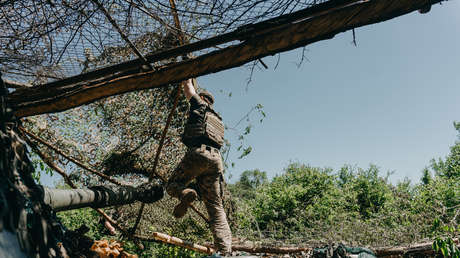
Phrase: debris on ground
{"type": "Point", "coordinates": [112, 249]}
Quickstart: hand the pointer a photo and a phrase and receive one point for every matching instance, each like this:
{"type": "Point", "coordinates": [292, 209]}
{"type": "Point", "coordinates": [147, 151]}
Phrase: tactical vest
{"type": "Point", "coordinates": [210, 131]}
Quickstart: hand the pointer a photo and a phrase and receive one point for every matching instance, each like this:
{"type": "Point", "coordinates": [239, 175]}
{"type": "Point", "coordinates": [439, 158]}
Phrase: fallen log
{"type": "Point", "coordinates": [270, 250]}
{"type": "Point", "coordinates": [420, 249]}
{"type": "Point", "coordinates": [209, 249]}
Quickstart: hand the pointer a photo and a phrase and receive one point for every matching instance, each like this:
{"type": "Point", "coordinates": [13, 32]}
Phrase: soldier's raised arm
{"type": "Point", "coordinates": [188, 88]}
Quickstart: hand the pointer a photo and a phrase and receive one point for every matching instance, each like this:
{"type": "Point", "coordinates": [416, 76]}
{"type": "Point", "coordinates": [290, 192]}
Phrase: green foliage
{"type": "Point", "coordinates": [446, 247]}
{"type": "Point", "coordinates": [290, 194]}
{"type": "Point", "coordinates": [174, 251]}
{"type": "Point", "coordinates": [88, 217]}
{"type": "Point", "coordinates": [351, 205]}
{"type": "Point", "coordinates": [186, 229]}
{"type": "Point", "coordinates": [39, 168]}
{"type": "Point", "coordinates": [245, 152]}
{"type": "Point", "coordinates": [426, 177]}
{"type": "Point", "coordinates": [152, 249]}
{"type": "Point", "coordinates": [450, 167]}
{"type": "Point", "coordinates": [251, 179]}
{"type": "Point", "coordinates": [443, 243]}
{"type": "Point", "coordinates": [305, 195]}
{"type": "Point", "coordinates": [242, 134]}
{"type": "Point", "coordinates": [371, 191]}
{"type": "Point", "coordinates": [440, 198]}
{"type": "Point", "coordinates": [320, 205]}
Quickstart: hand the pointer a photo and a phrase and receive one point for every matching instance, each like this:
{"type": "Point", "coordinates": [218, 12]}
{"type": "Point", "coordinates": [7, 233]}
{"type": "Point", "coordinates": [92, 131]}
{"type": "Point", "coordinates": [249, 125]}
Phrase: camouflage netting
{"type": "Point", "coordinates": [27, 225]}
{"type": "Point", "coordinates": [119, 136]}
{"type": "Point", "coordinates": [44, 40]}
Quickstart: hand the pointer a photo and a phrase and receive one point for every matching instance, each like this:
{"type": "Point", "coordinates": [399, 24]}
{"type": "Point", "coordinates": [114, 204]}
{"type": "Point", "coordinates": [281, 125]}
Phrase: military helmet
{"type": "Point", "coordinates": [207, 95]}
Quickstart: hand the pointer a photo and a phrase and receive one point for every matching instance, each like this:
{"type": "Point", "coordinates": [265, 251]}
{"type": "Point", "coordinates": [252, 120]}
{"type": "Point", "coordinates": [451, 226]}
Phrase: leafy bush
{"type": "Point", "coordinates": [290, 194]}
{"type": "Point", "coordinates": [371, 191]}
{"type": "Point", "coordinates": [88, 217]}
{"type": "Point", "coordinates": [354, 205]}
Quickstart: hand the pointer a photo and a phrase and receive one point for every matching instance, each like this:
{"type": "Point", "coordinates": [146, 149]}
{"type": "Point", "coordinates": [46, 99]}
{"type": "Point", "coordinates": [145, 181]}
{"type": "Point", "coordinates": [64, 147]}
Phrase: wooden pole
{"type": "Point", "coordinates": [177, 241]}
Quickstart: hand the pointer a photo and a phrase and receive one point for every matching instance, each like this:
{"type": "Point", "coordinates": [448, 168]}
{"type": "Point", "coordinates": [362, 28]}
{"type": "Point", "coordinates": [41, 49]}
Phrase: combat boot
{"type": "Point", "coordinates": [186, 198]}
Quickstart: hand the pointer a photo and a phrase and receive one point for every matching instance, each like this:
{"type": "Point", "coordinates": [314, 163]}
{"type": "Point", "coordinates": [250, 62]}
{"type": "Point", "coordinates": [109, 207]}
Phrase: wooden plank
{"type": "Point", "coordinates": [320, 27]}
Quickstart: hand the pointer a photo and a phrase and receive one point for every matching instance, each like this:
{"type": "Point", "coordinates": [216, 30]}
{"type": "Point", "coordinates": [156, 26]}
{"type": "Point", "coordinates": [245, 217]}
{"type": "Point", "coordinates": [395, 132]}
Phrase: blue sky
{"type": "Point", "coordinates": [390, 101]}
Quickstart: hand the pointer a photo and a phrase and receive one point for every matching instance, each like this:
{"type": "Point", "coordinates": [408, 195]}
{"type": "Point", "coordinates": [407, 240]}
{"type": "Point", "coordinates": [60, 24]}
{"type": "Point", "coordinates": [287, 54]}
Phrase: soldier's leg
{"type": "Point", "coordinates": [190, 167]}
{"type": "Point", "coordinates": [177, 188]}
{"type": "Point", "coordinates": [211, 194]}
{"type": "Point", "coordinates": [177, 183]}
{"type": "Point", "coordinates": [184, 173]}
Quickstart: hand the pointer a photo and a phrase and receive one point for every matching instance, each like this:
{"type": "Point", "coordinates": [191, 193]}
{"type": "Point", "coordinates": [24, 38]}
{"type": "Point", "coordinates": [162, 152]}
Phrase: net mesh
{"type": "Point", "coordinates": [45, 40]}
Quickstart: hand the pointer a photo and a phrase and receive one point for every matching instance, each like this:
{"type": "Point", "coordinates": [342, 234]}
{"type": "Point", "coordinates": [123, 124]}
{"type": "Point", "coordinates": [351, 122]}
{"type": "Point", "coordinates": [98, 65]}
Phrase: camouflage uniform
{"type": "Point", "coordinates": [203, 162]}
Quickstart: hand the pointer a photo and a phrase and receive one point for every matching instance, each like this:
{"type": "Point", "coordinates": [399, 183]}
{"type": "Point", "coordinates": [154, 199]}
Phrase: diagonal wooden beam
{"type": "Point", "coordinates": [322, 26]}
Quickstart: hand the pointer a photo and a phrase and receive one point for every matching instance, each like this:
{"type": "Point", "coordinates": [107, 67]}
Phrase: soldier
{"type": "Point", "coordinates": [204, 136]}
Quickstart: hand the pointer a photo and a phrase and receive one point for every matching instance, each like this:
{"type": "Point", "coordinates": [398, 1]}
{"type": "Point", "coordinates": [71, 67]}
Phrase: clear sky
{"type": "Point", "coordinates": [390, 101]}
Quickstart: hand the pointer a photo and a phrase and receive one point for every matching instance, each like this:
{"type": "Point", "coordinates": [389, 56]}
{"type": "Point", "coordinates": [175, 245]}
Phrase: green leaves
{"type": "Point", "coordinates": [283, 201]}
{"type": "Point", "coordinates": [251, 179]}
{"type": "Point", "coordinates": [447, 247]}
{"type": "Point", "coordinates": [443, 242]}
{"type": "Point", "coordinates": [450, 167]}
{"type": "Point", "coordinates": [241, 135]}
{"type": "Point", "coordinates": [260, 110]}
{"type": "Point", "coordinates": [39, 168]}
{"type": "Point", "coordinates": [457, 126]}
{"type": "Point", "coordinates": [245, 152]}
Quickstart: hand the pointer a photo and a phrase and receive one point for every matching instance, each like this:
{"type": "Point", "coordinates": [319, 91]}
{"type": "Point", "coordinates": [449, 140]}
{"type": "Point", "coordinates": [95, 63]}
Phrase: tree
{"type": "Point", "coordinates": [251, 179]}
{"type": "Point", "coordinates": [450, 167]}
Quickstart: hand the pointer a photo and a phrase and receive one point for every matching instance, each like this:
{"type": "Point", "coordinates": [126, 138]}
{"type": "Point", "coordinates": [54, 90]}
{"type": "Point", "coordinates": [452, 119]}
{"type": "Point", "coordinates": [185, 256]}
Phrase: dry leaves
{"type": "Point", "coordinates": [112, 249]}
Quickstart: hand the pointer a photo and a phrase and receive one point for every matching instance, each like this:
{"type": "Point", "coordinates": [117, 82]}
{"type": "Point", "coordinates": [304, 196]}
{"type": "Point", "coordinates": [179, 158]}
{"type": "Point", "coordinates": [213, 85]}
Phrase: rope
{"type": "Point", "coordinates": [155, 163]}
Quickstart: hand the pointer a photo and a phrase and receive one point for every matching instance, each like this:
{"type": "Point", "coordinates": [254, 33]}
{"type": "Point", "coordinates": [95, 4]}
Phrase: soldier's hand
{"type": "Point", "coordinates": [188, 88]}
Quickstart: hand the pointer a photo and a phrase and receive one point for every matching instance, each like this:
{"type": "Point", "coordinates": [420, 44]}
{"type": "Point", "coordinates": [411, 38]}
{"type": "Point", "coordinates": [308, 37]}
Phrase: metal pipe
{"type": "Point", "coordinates": [101, 196]}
